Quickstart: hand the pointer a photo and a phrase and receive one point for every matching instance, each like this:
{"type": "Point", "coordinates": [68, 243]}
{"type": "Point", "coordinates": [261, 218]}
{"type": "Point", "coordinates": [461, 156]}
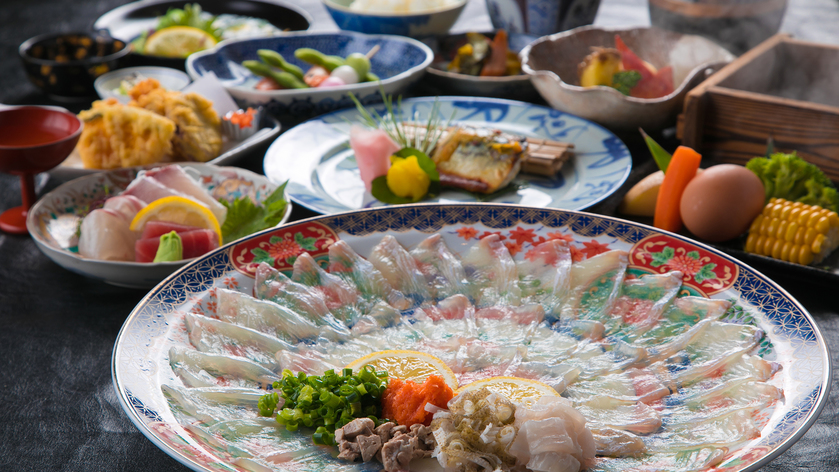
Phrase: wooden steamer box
{"type": "Point", "coordinates": [783, 88]}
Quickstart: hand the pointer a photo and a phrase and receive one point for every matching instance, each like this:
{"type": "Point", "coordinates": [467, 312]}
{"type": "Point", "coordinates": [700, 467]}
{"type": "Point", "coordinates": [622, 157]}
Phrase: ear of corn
{"type": "Point", "coordinates": [794, 232]}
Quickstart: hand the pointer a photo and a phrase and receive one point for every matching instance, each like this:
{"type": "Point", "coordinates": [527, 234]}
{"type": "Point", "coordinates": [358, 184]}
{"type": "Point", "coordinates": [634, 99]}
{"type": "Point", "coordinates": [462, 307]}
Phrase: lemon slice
{"type": "Point", "coordinates": [407, 365]}
{"type": "Point", "coordinates": [516, 389]}
{"type": "Point", "coordinates": [178, 41]}
{"type": "Point", "coordinates": [179, 210]}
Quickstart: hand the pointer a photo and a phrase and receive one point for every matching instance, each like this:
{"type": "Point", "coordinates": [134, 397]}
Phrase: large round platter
{"type": "Point", "coordinates": [54, 220]}
{"type": "Point", "coordinates": [141, 355]}
{"type": "Point", "coordinates": [316, 159]}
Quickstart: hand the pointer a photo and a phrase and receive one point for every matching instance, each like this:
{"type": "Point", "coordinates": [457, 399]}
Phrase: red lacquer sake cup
{"type": "Point", "coordinates": [33, 139]}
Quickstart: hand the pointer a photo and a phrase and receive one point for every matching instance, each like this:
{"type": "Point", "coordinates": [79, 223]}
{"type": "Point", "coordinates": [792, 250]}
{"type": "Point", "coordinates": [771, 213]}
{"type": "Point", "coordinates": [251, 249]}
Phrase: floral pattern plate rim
{"type": "Point", "coordinates": [316, 159]}
{"type": "Point", "coordinates": [140, 365]}
{"type": "Point", "coordinates": [53, 220]}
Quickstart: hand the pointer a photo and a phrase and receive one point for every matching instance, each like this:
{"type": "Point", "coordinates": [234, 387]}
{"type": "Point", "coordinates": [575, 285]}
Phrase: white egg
{"type": "Point", "coordinates": [345, 73]}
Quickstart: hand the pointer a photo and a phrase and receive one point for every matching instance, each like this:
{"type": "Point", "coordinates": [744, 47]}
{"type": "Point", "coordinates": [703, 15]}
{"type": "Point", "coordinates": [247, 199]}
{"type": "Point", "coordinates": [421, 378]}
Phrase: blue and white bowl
{"type": "Point", "coordinates": [399, 63]}
{"type": "Point", "coordinates": [416, 25]}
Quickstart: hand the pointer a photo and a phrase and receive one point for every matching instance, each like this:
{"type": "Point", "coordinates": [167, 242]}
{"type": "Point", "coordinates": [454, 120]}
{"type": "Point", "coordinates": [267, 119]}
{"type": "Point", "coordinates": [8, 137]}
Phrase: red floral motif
{"type": "Point", "coordinates": [577, 255]}
{"type": "Point", "coordinates": [207, 179]}
{"type": "Point", "coordinates": [513, 247]}
{"type": "Point", "coordinates": [467, 233]}
{"type": "Point", "coordinates": [281, 247]}
{"type": "Point", "coordinates": [212, 306]}
{"type": "Point", "coordinates": [593, 248]}
{"type": "Point", "coordinates": [521, 235]}
{"type": "Point", "coordinates": [230, 283]}
{"type": "Point", "coordinates": [284, 249]}
{"type": "Point", "coordinates": [560, 236]}
{"type": "Point", "coordinates": [686, 265]}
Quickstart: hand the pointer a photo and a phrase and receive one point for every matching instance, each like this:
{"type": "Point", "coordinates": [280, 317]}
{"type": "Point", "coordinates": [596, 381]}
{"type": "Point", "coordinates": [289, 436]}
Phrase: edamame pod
{"type": "Point", "coordinates": [273, 58]}
{"type": "Point", "coordinates": [315, 57]}
{"type": "Point", "coordinates": [285, 79]}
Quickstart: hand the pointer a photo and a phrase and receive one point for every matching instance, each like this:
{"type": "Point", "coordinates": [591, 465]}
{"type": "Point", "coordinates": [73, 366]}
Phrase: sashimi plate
{"type": "Point", "coordinates": [54, 220]}
{"type": "Point", "coordinates": [323, 176]}
{"type": "Point", "coordinates": [209, 433]}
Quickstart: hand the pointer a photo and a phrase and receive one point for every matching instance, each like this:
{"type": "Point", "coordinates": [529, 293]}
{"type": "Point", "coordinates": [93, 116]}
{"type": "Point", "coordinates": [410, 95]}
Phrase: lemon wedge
{"type": "Point", "coordinates": [516, 389]}
{"type": "Point", "coordinates": [407, 365]}
{"type": "Point", "coordinates": [178, 41]}
{"type": "Point", "coordinates": [179, 210]}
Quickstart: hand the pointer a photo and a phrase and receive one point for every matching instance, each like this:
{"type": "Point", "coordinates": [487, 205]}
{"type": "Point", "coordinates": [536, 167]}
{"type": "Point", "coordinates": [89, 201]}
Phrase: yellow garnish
{"type": "Point", "coordinates": [178, 210]}
{"type": "Point", "coordinates": [407, 365]}
{"type": "Point", "coordinates": [406, 179]}
{"type": "Point", "coordinates": [516, 389]}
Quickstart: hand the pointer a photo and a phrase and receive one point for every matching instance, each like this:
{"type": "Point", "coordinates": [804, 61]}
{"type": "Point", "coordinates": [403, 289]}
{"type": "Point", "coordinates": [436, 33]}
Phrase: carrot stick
{"type": "Point", "coordinates": [680, 171]}
{"type": "Point", "coordinates": [497, 63]}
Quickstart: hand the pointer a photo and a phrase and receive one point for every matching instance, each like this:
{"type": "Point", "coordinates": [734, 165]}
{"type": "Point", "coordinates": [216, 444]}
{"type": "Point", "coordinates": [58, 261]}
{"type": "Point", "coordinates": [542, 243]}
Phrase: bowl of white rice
{"type": "Point", "coordinates": [414, 18]}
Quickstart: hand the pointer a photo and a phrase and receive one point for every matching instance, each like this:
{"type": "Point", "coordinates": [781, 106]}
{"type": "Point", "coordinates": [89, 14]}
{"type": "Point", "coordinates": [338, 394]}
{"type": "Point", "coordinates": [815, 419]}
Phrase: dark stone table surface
{"type": "Point", "coordinates": [58, 406]}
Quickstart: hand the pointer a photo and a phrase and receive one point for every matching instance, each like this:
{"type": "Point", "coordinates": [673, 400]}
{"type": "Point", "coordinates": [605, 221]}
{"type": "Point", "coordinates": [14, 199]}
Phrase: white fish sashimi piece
{"type": "Point", "coordinates": [680, 316]}
{"type": "Point", "coordinates": [400, 270]}
{"type": "Point", "coordinates": [443, 271]}
{"type": "Point", "coordinates": [219, 337]}
{"type": "Point", "coordinates": [306, 360]}
{"type": "Point", "coordinates": [701, 458]}
{"type": "Point", "coordinates": [105, 236]}
{"type": "Point", "coordinates": [339, 296]}
{"type": "Point", "coordinates": [228, 368]}
{"type": "Point", "coordinates": [747, 395]}
{"type": "Point", "coordinates": [552, 436]}
{"type": "Point", "coordinates": [174, 177]}
{"type": "Point", "coordinates": [268, 317]}
{"type": "Point", "coordinates": [360, 273]}
{"type": "Point", "coordinates": [148, 190]}
{"type": "Point", "coordinates": [545, 276]}
{"type": "Point", "coordinates": [213, 404]}
{"type": "Point", "coordinates": [127, 205]}
{"type": "Point", "coordinates": [630, 386]}
{"type": "Point", "coordinates": [606, 412]}
{"type": "Point", "coordinates": [558, 376]}
{"type": "Point", "coordinates": [617, 443]}
{"type": "Point", "coordinates": [273, 285]}
{"type": "Point", "coordinates": [549, 345]}
{"type": "Point", "coordinates": [642, 302]}
{"type": "Point", "coordinates": [492, 273]}
{"type": "Point", "coordinates": [595, 285]}
{"type": "Point", "coordinates": [528, 314]}
{"type": "Point", "coordinates": [729, 429]}
{"type": "Point", "coordinates": [455, 307]}
{"type": "Point", "coordinates": [193, 379]}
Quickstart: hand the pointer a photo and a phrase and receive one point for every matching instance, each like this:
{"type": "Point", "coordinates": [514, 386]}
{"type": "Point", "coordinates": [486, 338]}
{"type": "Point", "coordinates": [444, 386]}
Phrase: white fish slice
{"type": "Point", "coordinates": [105, 236]}
{"type": "Point", "coordinates": [174, 177]}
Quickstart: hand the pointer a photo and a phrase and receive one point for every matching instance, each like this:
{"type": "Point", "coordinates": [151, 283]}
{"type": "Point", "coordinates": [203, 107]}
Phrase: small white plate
{"type": "Point", "coordinates": [107, 85]}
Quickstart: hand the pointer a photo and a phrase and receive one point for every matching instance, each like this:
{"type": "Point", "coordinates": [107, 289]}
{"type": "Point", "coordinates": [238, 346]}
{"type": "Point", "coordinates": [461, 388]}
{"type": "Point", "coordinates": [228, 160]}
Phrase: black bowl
{"type": "Point", "coordinates": [65, 65]}
{"type": "Point", "coordinates": [131, 20]}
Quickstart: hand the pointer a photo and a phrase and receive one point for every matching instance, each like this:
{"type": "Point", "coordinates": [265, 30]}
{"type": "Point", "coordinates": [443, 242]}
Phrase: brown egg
{"type": "Point", "coordinates": [720, 203]}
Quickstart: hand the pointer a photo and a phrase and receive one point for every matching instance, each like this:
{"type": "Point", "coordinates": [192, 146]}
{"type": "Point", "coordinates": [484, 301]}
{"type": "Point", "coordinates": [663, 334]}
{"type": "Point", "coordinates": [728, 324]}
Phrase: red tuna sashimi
{"type": "Point", "coordinates": [372, 149]}
{"type": "Point", "coordinates": [195, 243]}
{"type": "Point", "coordinates": [156, 229]}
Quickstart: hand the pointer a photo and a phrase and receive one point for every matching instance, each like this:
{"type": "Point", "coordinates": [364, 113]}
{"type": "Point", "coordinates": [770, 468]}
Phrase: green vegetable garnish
{"type": "Point", "coordinates": [791, 177]}
{"type": "Point", "coordinates": [383, 193]}
{"type": "Point", "coordinates": [662, 157]}
{"type": "Point", "coordinates": [171, 248]}
{"type": "Point", "coordinates": [624, 80]}
{"type": "Point", "coordinates": [245, 218]}
{"type": "Point", "coordinates": [192, 16]}
{"type": "Point", "coordinates": [326, 402]}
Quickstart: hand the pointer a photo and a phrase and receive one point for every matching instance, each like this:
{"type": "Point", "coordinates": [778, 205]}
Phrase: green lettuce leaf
{"type": "Point", "coordinates": [245, 218]}
{"type": "Point", "coordinates": [791, 177]}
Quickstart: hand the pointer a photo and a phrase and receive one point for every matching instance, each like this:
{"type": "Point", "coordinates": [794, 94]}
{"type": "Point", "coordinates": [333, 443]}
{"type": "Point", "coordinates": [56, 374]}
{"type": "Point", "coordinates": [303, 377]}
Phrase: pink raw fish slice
{"type": "Point", "coordinates": [105, 236]}
{"type": "Point", "coordinates": [195, 243]}
{"type": "Point", "coordinates": [155, 229]}
{"type": "Point", "coordinates": [372, 149]}
{"type": "Point", "coordinates": [176, 178]}
{"type": "Point", "coordinates": [148, 190]}
{"type": "Point", "coordinates": [128, 205]}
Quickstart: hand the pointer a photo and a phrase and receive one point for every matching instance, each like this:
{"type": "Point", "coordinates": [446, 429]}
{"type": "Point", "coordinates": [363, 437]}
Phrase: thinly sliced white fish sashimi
{"type": "Point", "coordinates": [617, 443]}
{"type": "Point", "coordinates": [545, 276]}
{"type": "Point", "coordinates": [400, 270]}
{"type": "Point", "coordinates": [731, 428]}
{"type": "Point", "coordinates": [678, 317]}
{"type": "Point", "coordinates": [642, 302]}
{"type": "Point", "coordinates": [340, 297]}
{"type": "Point", "coordinates": [492, 273]}
{"type": "Point", "coordinates": [213, 404]}
{"type": "Point", "coordinates": [443, 271]}
{"type": "Point", "coordinates": [606, 412]}
{"type": "Point", "coordinates": [360, 273]}
{"type": "Point", "coordinates": [126, 205]}
{"type": "Point", "coordinates": [595, 286]}
{"type": "Point", "coordinates": [148, 190]}
{"type": "Point", "coordinates": [274, 286]}
{"type": "Point", "coordinates": [218, 337]}
{"type": "Point", "coordinates": [174, 177]}
{"type": "Point", "coordinates": [268, 317]}
{"type": "Point", "coordinates": [745, 395]}
{"type": "Point", "coordinates": [104, 235]}
{"type": "Point", "coordinates": [227, 370]}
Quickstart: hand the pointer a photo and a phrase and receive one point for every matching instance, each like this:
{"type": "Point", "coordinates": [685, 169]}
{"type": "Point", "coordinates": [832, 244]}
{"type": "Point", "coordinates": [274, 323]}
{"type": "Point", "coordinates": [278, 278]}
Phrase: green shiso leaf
{"type": "Point", "coordinates": [245, 218]}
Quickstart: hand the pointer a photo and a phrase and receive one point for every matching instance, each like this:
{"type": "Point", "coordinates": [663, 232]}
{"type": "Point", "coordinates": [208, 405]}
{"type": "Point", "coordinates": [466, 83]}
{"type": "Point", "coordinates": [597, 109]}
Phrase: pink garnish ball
{"type": "Point", "coordinates": [332, 82]}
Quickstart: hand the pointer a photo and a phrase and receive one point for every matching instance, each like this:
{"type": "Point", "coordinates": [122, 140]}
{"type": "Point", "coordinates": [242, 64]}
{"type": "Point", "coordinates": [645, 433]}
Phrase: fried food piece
{"type": "Point", "coordinates": [483, 161]}
{"type": "Point", "coordinates": [117, 135]}
{"type": "Point", "coordinates": [198, 137]}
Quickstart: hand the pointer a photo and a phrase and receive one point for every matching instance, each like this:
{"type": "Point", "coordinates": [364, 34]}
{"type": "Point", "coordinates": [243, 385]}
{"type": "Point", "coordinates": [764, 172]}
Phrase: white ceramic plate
{"type": "Point", "coordinates": [141, 364]}
{"type": "Point", "coordinates": [54, 219]}
{"type": "Point", "coordinates": [316, 159]}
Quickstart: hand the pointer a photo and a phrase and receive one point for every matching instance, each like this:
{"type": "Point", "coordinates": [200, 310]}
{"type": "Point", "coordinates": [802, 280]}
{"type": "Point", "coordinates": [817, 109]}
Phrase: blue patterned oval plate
{"type": "Point", "coordinates": [653, 336]}
{"type": "Point", "coordinates": [316, 158]}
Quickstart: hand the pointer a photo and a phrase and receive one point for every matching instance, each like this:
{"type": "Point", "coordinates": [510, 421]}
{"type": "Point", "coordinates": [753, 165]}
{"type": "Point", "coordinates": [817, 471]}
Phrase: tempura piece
{"type": "Point", "coordinates": [117, 135]}
{"type": "Point", "coordinates": [198, 137]}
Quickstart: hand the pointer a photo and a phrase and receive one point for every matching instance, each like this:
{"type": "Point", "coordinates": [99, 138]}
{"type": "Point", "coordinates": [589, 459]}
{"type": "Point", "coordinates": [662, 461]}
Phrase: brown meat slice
{"type": "Point", "coordinates": [369, 444]}
{"type": "Point", "coordinates": [397, 453]}
{"type": "Point", "coordinates": [357, 427]}
{"type": "Point", "coordinates": [348, 451]}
